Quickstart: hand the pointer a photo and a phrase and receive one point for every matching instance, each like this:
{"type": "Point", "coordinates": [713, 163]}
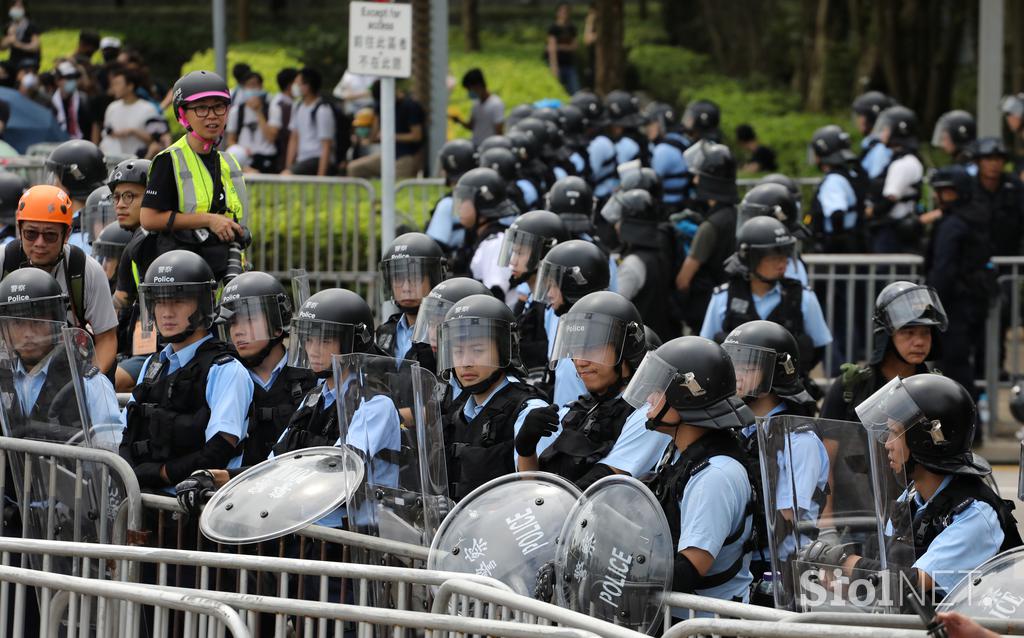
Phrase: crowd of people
{"type": "Point", "coordinates": [550, 291]}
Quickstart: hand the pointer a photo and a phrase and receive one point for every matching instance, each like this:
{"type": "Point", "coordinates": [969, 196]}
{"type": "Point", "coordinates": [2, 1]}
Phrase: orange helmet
{"type": "Point", "coordinates": [45, 203]}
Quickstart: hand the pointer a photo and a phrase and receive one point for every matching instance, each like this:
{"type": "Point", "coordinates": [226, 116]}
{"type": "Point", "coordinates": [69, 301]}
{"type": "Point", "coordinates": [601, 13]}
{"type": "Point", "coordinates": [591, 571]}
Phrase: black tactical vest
{"type": "Point", "coordinates": [589, 431]}
{"type": "Point", "coordinates": [272, 410]}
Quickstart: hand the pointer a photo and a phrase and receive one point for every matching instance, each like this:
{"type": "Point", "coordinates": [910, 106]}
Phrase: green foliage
{"type": "Point", "coordinates": [661, 70]}
{"type": "Point", "coordinates": [59, 43]}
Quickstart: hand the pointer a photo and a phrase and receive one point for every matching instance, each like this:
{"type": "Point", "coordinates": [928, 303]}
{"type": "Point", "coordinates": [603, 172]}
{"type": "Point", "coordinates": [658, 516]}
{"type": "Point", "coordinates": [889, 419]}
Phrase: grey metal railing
{"type": "Point", "coordinates": [415, 199]}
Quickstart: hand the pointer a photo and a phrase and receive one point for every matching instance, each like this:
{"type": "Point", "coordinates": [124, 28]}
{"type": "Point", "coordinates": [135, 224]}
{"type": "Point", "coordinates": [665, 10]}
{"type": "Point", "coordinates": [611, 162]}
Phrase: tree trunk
{"type": "Point", "coordinates": [609, 54]}
{"type": "Point", "coordinates": [818, 71]}
{"type": "Point", "coordinates": [471, 24]}
{"type": "Point", "coordinates": [243, 20]}
{"type": "Point", "coordinates": [421, 52]}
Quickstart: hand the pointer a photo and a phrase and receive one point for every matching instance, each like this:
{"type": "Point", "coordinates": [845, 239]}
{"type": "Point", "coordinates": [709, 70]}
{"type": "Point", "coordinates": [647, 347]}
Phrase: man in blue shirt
{"type": "Point", "coordinates": [190, 408]}
{"type": "Point", "coordinates": [874, 155]}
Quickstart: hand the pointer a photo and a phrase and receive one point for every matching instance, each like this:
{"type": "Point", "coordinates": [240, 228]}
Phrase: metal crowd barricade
{"type": "Point", "coordinates": [32, 168]}
{"type": "Point", "coordinates": [808, 185]}
{"type": "Point", "coordinates": [326, 225]}
{"type": "Point", "coordinates": [415, 199]}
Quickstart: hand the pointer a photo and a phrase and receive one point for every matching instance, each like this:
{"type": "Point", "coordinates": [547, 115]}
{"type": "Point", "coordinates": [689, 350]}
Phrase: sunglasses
{"type": "Point", "coordinates": [49, 236]}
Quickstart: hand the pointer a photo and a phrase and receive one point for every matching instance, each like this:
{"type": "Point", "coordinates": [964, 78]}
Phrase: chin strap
{"type": "Point", "coordinates": [656, 422]}
{"type": "Point", "coordinates": [260, 357]}
{"type": "Point", "coordinates": [207, 144]}
{"type": "Point", "coordinates": [480, 386]}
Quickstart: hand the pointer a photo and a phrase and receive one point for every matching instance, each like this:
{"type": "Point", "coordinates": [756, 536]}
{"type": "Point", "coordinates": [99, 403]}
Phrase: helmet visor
{"type": "Point", "coordinates": [102, 250]}
{"type": "Point", "coordinates": [590, 337]}
{"type": "Point", "coordinates": [474, 342]}
{"type": "Point", "coordinates": [1012, 105]}
{"type": "Point", "coordinates": [917, 306]}
{"type": "Point", "coordinates": [522, 251]}
{"type": "Point", "coordinates": [695, 155]}
{"type": "Point", "coordinates": [30, 339]}
{"type": "Point", "coordinates": [754, 366]}
{"type": "Point", "coordinates": [749, 210]}
{"type": "Point", "coordinates": [96, 217]}
{"type": "Point", "coordinates": [406, 280]}
{"type": "Point", "coordinates": [313, 342]}
{"type": "Point", "coordinates": [430, 316]}
{"type": "Point", "coordinates": [890, 412]}
{"type": "Point", "coordinates": [46, 309]}
{"type": "Point", "coordinates": [647, 387]}
{"type": "Point", "coordinates": [248, 321]}
{"type": "Point", "coordinates": [173, 308]}
{"type": "Point", "coordinates": [551, 278]}
{"type": "Point", "coordinates": [613, 210]}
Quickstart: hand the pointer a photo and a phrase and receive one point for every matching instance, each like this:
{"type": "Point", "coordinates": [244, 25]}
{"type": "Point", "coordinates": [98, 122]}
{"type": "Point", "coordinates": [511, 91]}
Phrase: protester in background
{"type": "Point", "coordinates": [760, 158]}
{"type": "Point", "coordinates": [22, 38]}
{"type": "Point", "coordinates": [250, 126]}
{"type": "Point", "coordinates": [561, 49]}
{"type": "Point", "coordinates": [124, 124]}
{"type": "Point", "coordinates": [409, 136]}
{"type": "Point", "coordinates": [310, 149]}
{"type": "Point", "coordinates": [488, 115]}
{"type": "Point", "coordinates": [355, 91]}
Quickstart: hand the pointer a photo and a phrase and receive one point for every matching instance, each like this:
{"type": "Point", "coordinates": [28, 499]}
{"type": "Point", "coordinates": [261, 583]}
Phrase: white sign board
{"type": "Point", "coordinates": [380, 39]}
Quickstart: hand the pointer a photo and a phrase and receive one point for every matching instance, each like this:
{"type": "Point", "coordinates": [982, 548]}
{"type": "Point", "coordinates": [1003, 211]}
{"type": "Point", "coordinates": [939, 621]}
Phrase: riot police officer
{"type": "Point", "coordinates": [478, 347]}
{"type": "Point", "coordinates": [503, 160]}
{"type": "Point", "coordinates": [927, 423]}
{"type": "Point", "coordinates": [599, 433]}
{"type": "Point", "coordinates": [481, 200]}
{"type": "Point", "coordinates": [572, 124]}
{"type": "Point", "coordinates": [254, 316]}
{"type": "Point", "coordinates": [433, 308]}
{"type": "Point", "coordinates": [601, 155]}
{"type": "Point", "coordinates": [775, 200]}
{"type": "Point", "coordinates": [528, 147]}
{"type": "Point", "coordinates": [455, 158]}
{"type": "Point", "coordinates": [412, 265]}
{"type": "Point", "coordinates": [646, 257]}
{"type": "Point", "coordinates": [568, 272]}
{"type": "Point", "coordinates": [837, 210]}
{"type": "Point", "coordinates": [892, 209]}
{"type": "Point", "coordinates": [791, 185]}
{"type": "Point", "coordinates": [573, 200]}
{"type": "Point", "coordinates": [552, 154]}
{"type": "Point", "coordinates": [12, 187]}
{"type": "Point", "coordinates": [688, 388]}
{"type": "Point", "coordinates": [77, 167]}
{"type": "Point", "coordinates": [667, 155]}
{"type": "Point", "coordinates": [954, 133]}
{"type": "Point", "coordinates": [107, 248]}
{"type": "Point", "coordinates": [625, 121]}
{"type": "Point", "coordinates": [700, 121]}
{"type": "Point", "coordinates": [525, 244]}
{"type": "Point", "coordinates": [874, 155]}
{"type": "Point", "coordinates": [758, 289]}
{"type": "Point", "coordinates": [97, 212]}
{"type": "Point", "coordinates": [714, 175]}
{"type": "Point", "coordinates": [190, 408]}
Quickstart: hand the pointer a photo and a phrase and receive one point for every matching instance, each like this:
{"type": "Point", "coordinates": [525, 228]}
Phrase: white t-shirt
{"type": "Point", "coordinates": [251, 136]}
{"type": "Point", "coordinates": [904, 173]}
{"type": "Point", "coordinates": [311, 133]}
{"type": "Point", "coordinates": [121, 115]}
{"type": "Point", "coordinates": [486, 116]}
{"type": "Point", "coordinates": [484, 268]}
{"type": "Point", "coordinates": [353, 83]}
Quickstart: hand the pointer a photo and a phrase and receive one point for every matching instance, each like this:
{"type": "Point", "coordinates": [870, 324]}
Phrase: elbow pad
{"type": "Point", "coordinates": [214, 455]}
{"type": "Point", "coordinates": [684, 575]}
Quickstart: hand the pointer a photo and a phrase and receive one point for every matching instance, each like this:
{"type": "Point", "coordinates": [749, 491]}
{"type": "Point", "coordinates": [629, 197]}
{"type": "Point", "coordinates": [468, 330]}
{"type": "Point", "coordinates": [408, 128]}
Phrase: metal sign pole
{"type": "Point", "coordinates": [387, 162]}
{"type": "Point", "coordinates": [220, 37]}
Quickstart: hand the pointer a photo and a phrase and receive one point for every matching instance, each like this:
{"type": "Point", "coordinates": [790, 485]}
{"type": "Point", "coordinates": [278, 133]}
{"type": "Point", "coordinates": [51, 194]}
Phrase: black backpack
{"type": "Point", "coordinates": [241, 115]}
{"type": "Point", "coordinates": [342, 128]}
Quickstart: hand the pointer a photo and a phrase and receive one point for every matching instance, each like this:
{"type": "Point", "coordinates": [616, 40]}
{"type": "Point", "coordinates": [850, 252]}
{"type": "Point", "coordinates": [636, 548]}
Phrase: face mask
{"type": "Point", "coordinates": [296, 91]}
{"type": "Point", "coordinates": [16, 14]}
{"type": "Point", "coordinates": [29, 81]}
{"type": "Point", "coordinates": [70, 86]}
{"type": "Point", "coordinates": [473, 95]}
{"type": "Point", "coordinates": [363, 131]}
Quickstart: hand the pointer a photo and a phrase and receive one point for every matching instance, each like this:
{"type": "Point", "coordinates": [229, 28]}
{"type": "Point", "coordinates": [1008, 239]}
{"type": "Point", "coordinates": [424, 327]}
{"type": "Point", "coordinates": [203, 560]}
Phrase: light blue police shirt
{"type": "Point", "coordinates": [403, 337]}
{"type": "Point", "coordinates": [443, 227]}
{"type": "Point", "coordinates": [559, 172]}
{"type": "Point", "coordinates": [877, 159]}
{"type": "Point", "coordinates": [626, 150]}
{"type": "Point", "coordinates": [713, 506]}
{"type": "Point", "coordinates": [814, 320]}
{"type": "Point", "coordinates": [636, 451]}
{"type": "Point", "coordinates": [577, 162]}
{"type": "Point", "coordinates": [274, 374]}
{"type": "Point", "coordinates": [568, 384]}
{"type": "Point", "coordinates": [601, 151]}
{"type": "Point", "coordinates": [668, 162]}
{"type": "Point", "coordinates": [836, 194]}
{"type": "Point", "coordinates": [471, 410]}
{"type": "Point", "coordinates": [529, 192]}
{"type": "Point", "coordinates": [795, 269]}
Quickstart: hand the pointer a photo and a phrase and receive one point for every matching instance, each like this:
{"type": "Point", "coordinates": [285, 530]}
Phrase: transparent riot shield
{"type": "Point", "coordinates": [506, 529]}
{"type": "Point", "coordinates": [389, 413]}
{"type": "Point", "coordinates": [615, 555]}
{"type": "Point", "coordinates": [863, 512]}
{"type": "Point", "coordinates": [282, 495]}
{"type": "Point", "coordinates": [300, 287]}
{"type": "Point", "coordinates": [994, 590]}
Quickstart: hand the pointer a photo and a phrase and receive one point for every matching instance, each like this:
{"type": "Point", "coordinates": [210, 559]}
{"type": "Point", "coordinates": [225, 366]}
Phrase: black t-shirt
{"type": "Point", "coordinates": [564, 34]}
{"type": "Point", "coordinates": [408, 113]}
{"type": "Point", "coordinates": [25, 36]}
{"type": "Point", "coordinates": [141, 248]}
{"type": "Point", "coordinates": [162, 190]}
{"type": "Point", "coordinates": [764, 156]}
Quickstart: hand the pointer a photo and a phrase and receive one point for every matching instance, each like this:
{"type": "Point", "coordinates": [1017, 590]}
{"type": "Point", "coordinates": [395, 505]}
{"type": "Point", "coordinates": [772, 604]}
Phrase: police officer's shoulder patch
{"type": "Point", "coordinates": [90, 372]}
{"type": "Point", "coordinates": [222, 359]}
{"type": "Point", "coordinates": [721, 288]}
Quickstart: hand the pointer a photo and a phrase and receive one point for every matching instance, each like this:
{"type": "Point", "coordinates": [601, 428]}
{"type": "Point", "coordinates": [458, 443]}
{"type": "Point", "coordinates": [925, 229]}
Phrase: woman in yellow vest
{"type": "Point", "coordinates": [195, 196]}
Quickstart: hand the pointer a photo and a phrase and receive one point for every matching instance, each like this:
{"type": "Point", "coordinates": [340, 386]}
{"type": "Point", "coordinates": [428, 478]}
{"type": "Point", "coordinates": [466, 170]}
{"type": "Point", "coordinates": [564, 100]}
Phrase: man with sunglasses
{"type": "Point", "coordinates": [195, 195]}
{"type": "Point", "coordinates": [44, 220]}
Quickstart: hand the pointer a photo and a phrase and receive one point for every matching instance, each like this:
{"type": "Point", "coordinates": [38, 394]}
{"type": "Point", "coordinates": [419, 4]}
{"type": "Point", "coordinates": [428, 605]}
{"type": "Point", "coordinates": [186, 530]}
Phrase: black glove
{"type": "Point", "coordinates": [194, 491]}
{"type": "Point", "coordinates": [545, 586]}
{"type": "Point", "coordinates": [822, 553]}
{"type": "Point", "coordinates": [537, 424]}
{"type": "Point", "coordinates": [149, 475]}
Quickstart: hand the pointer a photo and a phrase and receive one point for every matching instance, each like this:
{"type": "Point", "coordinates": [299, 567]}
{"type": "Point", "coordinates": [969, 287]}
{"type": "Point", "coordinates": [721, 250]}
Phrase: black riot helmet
{"type": "Point", "coordinates": [525, 144]}
{"type": "Point", "coordinates": [109, 244]}
{"type": "Point", "coordinates": [573, 124]}
{"type": "Point", "coordinates": [760, 237]}
{"type": "Point", "coordinates": [518, 114]}
{"type": "Point", "coordinates": [32, 293]}
{"type": "Point", "coordinates": [438, 302]}
{"type": "Point", "coordinates": [465, 338]}
{"type": "Point", "coordinates": [591, 107]}
{"type": "Point", "coordinates": [624, 110]}
{"type": "Point", "coordinates": [410, 267]}
{"type": "Point", "coordinates": [701, 118]}
{"type": "Point", "coordinates": [897, 126]}
{"type": "Point", "coordinates": [714, 168]}
{"type": "Point", "coordinates": [503, 161]}
{"type": "Point", "coordinates": [254, 307]}
{"type": "Point", "coordinates": [573, 200]}
{"type": "Point", "coordinates": [771, 200]}
{"type": "Point", "coordinates": [933, 414]}
{"type": "Point", "coordinates": [955, 177]}
{"type": "Point", "coordinates": [494, 141]}
{"type": "Point", "coordinates": [527, 240]}
{"type": "Point", "coordinates": [536, 129]}
{"type": "Point", "coordinates": [870, 105]}
{"type": "Point", "coordinates": [546, 114]}
{"type": "Point", "coordinates": [830, 146]}
{"type": "Point", "coordinates": [97, 212]}
{"type": "Point", "coordinates": [635, 204]}
{"type": "Point", "coordinates": [178, 275]}
{"type": "Point", "coordinates": [333, 321]}
{"type": "Point", "coordinates": [12, 187]}
{"type": "Point", "coordinates": [791, 185]}
{"type": "Point", "coordinates": [989, 147]}
{"type": "Point", "coordinates": [960, 128]}
{"type": "Point", "coordinates": [485, 192]}
{"type": "Point", "coordinates": [766, 358]}
{"type": "Point", "coordinates": [663, 114]}
{"type": "Point", "coordinates": [694, 376]}
{"type": "Point", "coordinates": [902, 304]}
{"type": "Point", "coordinates": [601, 319]}
{"type": "Point", "coordinates": [568, 272]}
{"type": "Point", "coordinates": [643, 178]}
{"type": "Point", "coordinates": [455, 158]}
{"type": "Point", "coordinates": [1017, 402]}
{"type": "Point", "coordinates": [130, 171]}
{"type": "Point", "coordinates": [79, 166]}
{"type": "Point", "coordinates": [651, 339]}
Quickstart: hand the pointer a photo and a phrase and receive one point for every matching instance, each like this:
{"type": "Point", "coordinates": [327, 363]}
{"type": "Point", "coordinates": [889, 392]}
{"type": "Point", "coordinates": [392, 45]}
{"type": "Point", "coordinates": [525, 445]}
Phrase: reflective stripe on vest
{"type": "Point", "coordinates": [189, 168]}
